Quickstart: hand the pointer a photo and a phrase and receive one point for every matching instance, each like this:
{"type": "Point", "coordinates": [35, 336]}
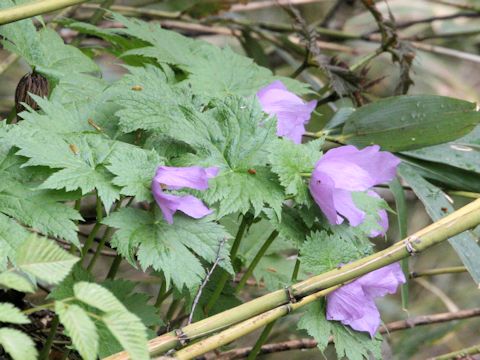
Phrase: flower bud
{"type": "Point", "coordinates": [33, 83]}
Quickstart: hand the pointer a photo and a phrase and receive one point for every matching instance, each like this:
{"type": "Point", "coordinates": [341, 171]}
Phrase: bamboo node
{"type": "Point", "coordinates": [409, 245]}
{"type": "Point", "coordinates": [291, 298]}
{"type": "Point", "coordinates": [182, 337]}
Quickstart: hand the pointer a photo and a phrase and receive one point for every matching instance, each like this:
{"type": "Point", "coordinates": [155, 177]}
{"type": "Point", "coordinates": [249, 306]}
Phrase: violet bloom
{"type": "Point", "coordinates": [175, 178]}
{"type": "Point", "coordinates": [291, 111]}
{"type": "Point", "coordinates": [344, 170]}
{"type": "Point", "coordinates": [353, 304]}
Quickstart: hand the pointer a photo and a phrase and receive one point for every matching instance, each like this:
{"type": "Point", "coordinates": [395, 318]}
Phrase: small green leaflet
{"type": "Point", "coordinates": [12, 235]}
{"type": "Point", "coordinates": [11, 280]}
{"type": "Point", "coordinates": [80, 328]}
{"type": "Point", "coordinates": [44, 259]}
{"type": "Point", "coordinates": [168, 247]}
{"type": "Point", "coordinates": [10, 314]}
{"type": "Point", "coordinates": [349, 344]}
{"type": "Point", "coordinates": [290, 160]}
{"type": "Point", "coordinates": [18, 345]}
{"type": "Point", "coordinates": [126, 327]}
{"type": "Point", "coordinates": [370, 205]}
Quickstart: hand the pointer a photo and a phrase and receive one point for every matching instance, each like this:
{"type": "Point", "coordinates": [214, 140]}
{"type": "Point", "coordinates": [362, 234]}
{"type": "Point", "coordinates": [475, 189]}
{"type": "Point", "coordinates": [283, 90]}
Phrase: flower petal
{"type": "Point", "coordinates": [346, 303]}
{"type": "Point", "coordinates": [346, 207]}
{"type": "Point", "coordinates": [322, 189]}
{"type": "Point", "coordinates": [194, 177]}
{"type": "Point", "coordinates": [291, 111]}
{"type": "Point", "coordinates": [369, 322]}
{"type": "Point", "coordinates": [187, 204]}
{"type": "Point", "coordinates": [345, 174]}
{"type": "Point", "coordinates": [382, 281]}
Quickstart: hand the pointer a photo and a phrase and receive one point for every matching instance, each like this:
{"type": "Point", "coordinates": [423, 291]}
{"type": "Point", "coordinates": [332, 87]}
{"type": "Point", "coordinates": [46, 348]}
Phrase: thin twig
{"type": "Point", "coordinates": [459, 354]}
{"type": "Point", "coordinates": [300, 344]}
{"type": "Point", "coordinates": [218, 259]}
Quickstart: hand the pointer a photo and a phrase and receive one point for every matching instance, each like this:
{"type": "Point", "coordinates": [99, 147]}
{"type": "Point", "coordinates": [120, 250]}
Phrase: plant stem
{"type": "Point", "coordinates": [246, 220]}
{"type": "Point", "coordinates": [51, 335]}
{"type": "Point", "coordinates": [31, 9]}
{"type": "Point", "coordinates": [161, 293]}
{"type": "Point", "coordinates": [465, 194]}
{"type": "Point", "coordinates": [440, 271]}
{"type": "Point", "coordinates": [460, 354]}
{"type": "Point", "coordinates": [461, 220]}
{"type": "Point", "coordinates": [261, 340]}
{"type": "Point", "coordinates": [114, 267]}
{"type": "Point", "coordinates": [101, 244]}
{"type": "Point", "coordinates": [296, 269]}
{"type": "Point", "coordinates": [255, 261]}
{"type": "Point", "coordinates": [91, 237]}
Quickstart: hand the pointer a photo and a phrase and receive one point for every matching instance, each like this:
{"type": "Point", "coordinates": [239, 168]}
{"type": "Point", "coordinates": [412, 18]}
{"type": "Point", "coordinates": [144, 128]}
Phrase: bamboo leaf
{"type": "Point", "coordinates": [413, 122]}
{"type": "Point", "coordinates": [438, 206]}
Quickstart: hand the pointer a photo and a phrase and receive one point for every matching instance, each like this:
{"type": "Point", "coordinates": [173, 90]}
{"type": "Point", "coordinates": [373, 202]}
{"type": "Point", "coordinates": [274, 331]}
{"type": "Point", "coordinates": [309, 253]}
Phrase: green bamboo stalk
{"type": "Point", "coordinates": [460, 354]}
{"type": "Point", "coordinates": [461, 220]}
{"type": "Point", "coordinates": [256, 260]}
{"type": "Point", "coordinates": [247, 327]}
{"type": "Point", "coordinates": [440, 271]}
{"type": "Point", "coordinates": [25, 11]}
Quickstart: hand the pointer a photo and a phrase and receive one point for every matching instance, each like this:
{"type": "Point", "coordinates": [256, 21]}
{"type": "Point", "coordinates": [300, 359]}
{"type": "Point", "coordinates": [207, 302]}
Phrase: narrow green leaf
{"type": "Point", "coordinates": [18, 345]}
{"type": "Point", "coordinates": [17, 282]}
{"type": "Point", "coordinates": [402, 217]}
{"type": "Point", "coordinates": [437, 206]}
{"type": "Point", "coordinates": [410, 122]}
{"type": "Point", "coordinates": [44, 259]}
{"type": "Point", "coordinates": [80, 328]}
{"type": "Point", "coordinates": [97, 296]}
{"type": "Point", "coordinates": [11, 314]}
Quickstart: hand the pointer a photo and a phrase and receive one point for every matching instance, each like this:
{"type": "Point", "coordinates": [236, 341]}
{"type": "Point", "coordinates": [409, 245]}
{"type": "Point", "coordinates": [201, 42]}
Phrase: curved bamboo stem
{"type": "Point", "coordinates": [25, 11]}
{"type": "Point", "coordinates": [453, 224]}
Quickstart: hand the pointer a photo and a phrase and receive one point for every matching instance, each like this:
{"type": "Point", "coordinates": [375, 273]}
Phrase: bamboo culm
{"type": "Point", "coordinates": [453, 224]}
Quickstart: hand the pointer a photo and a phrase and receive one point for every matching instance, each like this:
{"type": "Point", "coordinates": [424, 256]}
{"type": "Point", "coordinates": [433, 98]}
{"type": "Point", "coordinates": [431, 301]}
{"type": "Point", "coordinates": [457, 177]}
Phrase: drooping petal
{"type": "Point", "coordinates": [194, 177]}
{"type": "Point", "coordinates": [187, 204]}
{"type": "Point", "coordinates": [164, 205]}
{"type": "Point", "coordinates": [291, 111]}
{"type": "Point", "coordinates": [383, 222]}
{"type": "Point", "coordinates": [382, 281]}
{"type": "Point", "coordinates": [346, 303]}
{"type": "Point", "coordinates": [369, 322]}
{"type": "Point", "coordinates": [346, 207]}
{"type": "Point", "coordinates": [322, 189]}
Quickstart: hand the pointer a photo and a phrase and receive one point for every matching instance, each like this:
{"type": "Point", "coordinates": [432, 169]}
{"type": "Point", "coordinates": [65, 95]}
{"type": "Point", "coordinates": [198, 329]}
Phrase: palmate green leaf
{"type": "Point", "coordinates": [12, 280]}
{"type": "Point", "coordinates": [322, 252]}
{"type": "Point", "coordinates": [63, 139]}
{"type": "Point", "coordinates": [80, 328]}
{"type": "Point", "coordinates": [241, 148]}
{"type": "Point", "coordinates": [18, 345]}
{"type": "Point", "coordinates": [289, 160]}
{"type": "Point", "coordinates": [211, 71]}
{"type": "Point", "coordinates": [126, 327]}
{"type": "Point", "coordinates": [435, 201]}
{"type": "Point", "coordinates": [10, 314]}
{"type": "Point", "coordinates": [349, 344]}
{"type": "Point", "coordinates": [12, 235]}
{"type": "Point", "coordinates": [44, 259]}
{"type": "Point", "coordinates": [166, 247]}
{"type": "Point", "coordinates": [134, 169]}
{"type": "Point", "coordinates": [413, 122]}
{"type": "Point", "coordinates": [43, 49]}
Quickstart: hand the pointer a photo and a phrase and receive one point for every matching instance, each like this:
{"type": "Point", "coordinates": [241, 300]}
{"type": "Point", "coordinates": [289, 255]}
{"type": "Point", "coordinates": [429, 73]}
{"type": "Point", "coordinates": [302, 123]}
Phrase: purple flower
{"type": "Point", "coordinates": [175, 178]}
{"type": "Point", "coordinates": [344, 170]}
{"type": "Point", "coordinates": [291, 111]}
{"type": "Point", "coordinates": [353, 304]}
